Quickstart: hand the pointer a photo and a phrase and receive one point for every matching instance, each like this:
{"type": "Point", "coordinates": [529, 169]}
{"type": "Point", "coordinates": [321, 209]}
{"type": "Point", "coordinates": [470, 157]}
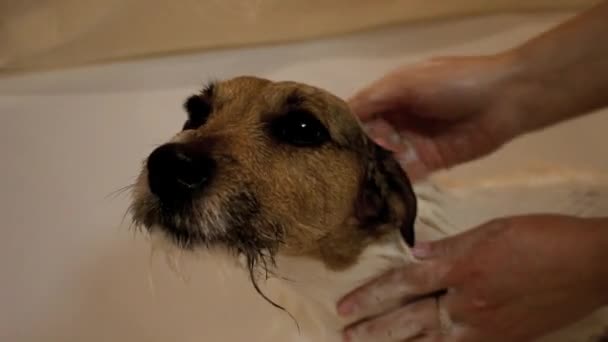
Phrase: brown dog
{"type": "Point", "coordinates": [266, 168]}
{"type": "Point", "coordinates": [283, 176]}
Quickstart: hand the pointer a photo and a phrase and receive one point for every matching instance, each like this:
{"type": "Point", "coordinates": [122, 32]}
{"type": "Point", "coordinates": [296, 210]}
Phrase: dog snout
{"type": "Point", "coordinates": [177, 171]}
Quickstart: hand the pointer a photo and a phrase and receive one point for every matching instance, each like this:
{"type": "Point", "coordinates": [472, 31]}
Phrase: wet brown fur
{"type": "Point", "coordinates": [327, 202]}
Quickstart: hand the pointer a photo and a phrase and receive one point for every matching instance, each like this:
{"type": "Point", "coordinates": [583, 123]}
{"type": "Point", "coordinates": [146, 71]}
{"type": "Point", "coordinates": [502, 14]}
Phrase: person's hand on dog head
{"type": "Point", "coordinates": [440, 113]}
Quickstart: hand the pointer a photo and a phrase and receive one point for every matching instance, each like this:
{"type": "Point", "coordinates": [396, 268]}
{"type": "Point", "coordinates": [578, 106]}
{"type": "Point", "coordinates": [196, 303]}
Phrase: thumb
{"type": "Point", "coordinates": [449, 247]}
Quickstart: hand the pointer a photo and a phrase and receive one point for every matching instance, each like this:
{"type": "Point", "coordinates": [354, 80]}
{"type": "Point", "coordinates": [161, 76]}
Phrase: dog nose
{"type": "Point", "coordinates": [176, 171]}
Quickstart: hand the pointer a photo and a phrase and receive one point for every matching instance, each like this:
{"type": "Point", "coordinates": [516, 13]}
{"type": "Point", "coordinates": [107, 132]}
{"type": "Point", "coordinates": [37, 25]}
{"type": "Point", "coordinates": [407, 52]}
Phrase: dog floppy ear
{"type": "Point", "coordinates": [386, 196]}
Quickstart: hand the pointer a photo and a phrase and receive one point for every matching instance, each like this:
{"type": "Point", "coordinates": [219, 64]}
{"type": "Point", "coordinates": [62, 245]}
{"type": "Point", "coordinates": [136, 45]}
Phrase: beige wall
{"type": "Point", "coordinates": [60, 33]}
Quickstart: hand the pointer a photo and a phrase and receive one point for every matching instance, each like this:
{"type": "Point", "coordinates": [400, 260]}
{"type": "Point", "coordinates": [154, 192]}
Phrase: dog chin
{"type": "Point", "coordinates": [258, 262]}
{"type": "Point", "coordinates": [208, 230]}
{"type": "Point", "coordinates": [185, 261]}
{"type": "Point", "coordinates": [186, 227]}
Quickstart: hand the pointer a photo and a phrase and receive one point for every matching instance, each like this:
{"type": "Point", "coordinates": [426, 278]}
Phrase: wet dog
{"type": "Point", "coordinates": [275, 173]}
{"type": "Point", "coordinates": [282, 177]}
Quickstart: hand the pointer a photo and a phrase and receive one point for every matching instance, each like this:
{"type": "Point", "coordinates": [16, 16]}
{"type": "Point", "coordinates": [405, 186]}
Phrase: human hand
{"type": "Point", "coordinates": [514, 279]}
{"type": "Point", "coordinates": [439, 113]}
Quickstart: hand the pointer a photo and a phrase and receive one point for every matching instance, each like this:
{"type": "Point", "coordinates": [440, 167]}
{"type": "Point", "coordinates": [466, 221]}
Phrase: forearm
{"type": "Point", "coordinates": [564, 72]}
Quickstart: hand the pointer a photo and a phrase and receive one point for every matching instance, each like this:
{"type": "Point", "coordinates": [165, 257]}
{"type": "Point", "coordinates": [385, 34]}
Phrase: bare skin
{"type": "Point", "coordinates": [488, 271]}
{"type": "Point", "coordinates": [452, 110]}
{"type": "Point", "coordinates": [455, 109]}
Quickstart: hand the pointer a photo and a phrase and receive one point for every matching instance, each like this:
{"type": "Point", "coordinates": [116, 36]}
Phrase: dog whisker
{"type": "Point", "coordinates": [119, 191]}
{"type": "Point", "coordinates": [124, 216]}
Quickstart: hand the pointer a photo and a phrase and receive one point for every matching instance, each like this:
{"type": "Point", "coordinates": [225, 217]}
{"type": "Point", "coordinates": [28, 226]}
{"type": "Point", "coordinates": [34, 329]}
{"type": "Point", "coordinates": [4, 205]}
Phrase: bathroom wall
{"type": "Point", "coordinates": [64, 33]}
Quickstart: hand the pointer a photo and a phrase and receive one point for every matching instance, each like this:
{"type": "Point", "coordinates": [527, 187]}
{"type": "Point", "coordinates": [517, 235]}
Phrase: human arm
{"type": "Point", "coordinates": [512, 279]}
{"type": "Point", "coordinates": [452, 110]}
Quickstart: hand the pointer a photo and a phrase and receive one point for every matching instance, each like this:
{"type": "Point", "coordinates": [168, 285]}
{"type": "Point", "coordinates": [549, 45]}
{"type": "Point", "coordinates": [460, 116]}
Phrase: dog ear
{"type": "Point", "coordinates": [386, 195]}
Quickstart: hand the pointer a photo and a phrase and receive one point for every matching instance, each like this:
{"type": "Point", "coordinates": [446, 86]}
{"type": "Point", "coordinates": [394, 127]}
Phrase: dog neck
{"type": "Point", "coordinates": [309, 291]}
{"type": "Point", "coordinates": [314, 291]}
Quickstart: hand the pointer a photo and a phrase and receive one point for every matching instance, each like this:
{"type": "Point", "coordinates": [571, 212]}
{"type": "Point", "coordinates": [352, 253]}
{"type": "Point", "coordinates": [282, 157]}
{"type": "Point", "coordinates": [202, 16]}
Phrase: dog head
{"type": "Point", "coordinates": [265, 168]}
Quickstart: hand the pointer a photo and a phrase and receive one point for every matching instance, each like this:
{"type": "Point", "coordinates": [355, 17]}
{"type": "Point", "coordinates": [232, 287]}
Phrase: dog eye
{"type": "Point", "coordinates": [198, 109]}
{"type": "Point", "coordinates": [300, 129]}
